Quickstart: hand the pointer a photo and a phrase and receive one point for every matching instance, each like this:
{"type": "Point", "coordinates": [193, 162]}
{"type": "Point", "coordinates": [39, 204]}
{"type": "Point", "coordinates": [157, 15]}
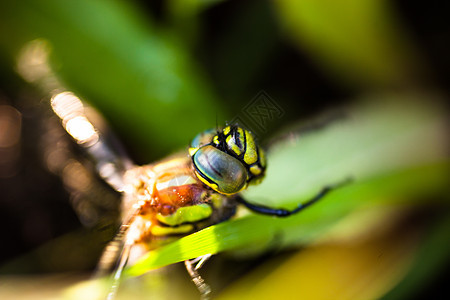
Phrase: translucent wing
{"type": "Point", "coordinates": [111, 164]}
{"type": "Point", "coordinates": [110, 159]}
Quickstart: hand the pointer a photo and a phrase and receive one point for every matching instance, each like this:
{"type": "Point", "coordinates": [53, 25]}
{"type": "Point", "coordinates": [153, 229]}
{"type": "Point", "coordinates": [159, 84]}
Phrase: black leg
{"type": "Point", "coordinates": [280, 212]}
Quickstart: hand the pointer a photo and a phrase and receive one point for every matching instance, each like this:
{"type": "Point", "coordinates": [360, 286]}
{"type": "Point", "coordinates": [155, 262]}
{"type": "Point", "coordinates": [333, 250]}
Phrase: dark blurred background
{"type": "Point", "coordinates": [239, 48]}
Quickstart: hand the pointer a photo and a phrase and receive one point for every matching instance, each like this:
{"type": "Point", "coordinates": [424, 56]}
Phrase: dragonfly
{"type": "Point", "coordinates": [162, 201]}
{"type": "Point", "coordinates": [176, 196]}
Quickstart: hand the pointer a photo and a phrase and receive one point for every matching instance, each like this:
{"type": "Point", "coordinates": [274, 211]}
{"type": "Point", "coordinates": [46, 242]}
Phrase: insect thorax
{"type": "Point", "coordinates": [171, 201]}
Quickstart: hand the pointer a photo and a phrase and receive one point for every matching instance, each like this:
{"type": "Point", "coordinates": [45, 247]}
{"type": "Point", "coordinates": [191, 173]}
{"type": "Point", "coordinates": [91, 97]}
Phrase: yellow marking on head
{"type": "Point", "coordinates": [211, 185]}
{"type": "Point", "coordinates": [250, 155]}
{"type": "Point", "coordinates": [240, 136]}
{"type": "Point", "coordinates": [240, 132]}
{"type": "Point", "coordinates": [192, 151]}
{"type": "Point", "coordinates": [216, 140]}
{"type": "Point", "coordinates": [226, 130]}
{"type": "Point", "coordinates": [256, 170]}
{"type": "Point", "coordinates": [231, 143]}
{"type": "Point", "coordinates": [262, 158]}
{"type": "Point", "coordinates": [236, 149]}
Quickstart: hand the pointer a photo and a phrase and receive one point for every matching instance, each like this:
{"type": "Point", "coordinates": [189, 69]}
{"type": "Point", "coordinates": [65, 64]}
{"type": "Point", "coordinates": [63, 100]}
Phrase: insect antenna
{"type": "Point", "coordinates": [217, 124]}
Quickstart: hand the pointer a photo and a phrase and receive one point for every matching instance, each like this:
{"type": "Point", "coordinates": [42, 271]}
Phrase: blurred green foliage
{"type": "Point", "coordinates": [358, 42]}
{"type": "Point", "coordinates": [160, 75]}
{"type": "Point", "coordinates": [137, 74]}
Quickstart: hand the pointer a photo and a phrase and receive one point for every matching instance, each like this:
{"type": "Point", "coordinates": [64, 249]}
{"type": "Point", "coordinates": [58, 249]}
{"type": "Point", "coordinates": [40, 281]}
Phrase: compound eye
{"type": "Point", "coordinates": [220, 171]}
{"type": "Point", "coordinates": [203, 138]}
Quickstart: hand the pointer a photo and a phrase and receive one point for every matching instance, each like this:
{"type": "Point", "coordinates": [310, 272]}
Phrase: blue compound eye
{"type": "Point", "coordinates": [220, 171]}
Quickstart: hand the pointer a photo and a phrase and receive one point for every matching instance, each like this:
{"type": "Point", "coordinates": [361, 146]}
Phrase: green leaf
{"type": "Point", "coordinates": [393, 155]}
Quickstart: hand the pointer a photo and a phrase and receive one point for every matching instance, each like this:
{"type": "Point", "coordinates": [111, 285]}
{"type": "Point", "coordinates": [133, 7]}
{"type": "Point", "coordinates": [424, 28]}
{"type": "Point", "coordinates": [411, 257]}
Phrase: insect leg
{"type": "Point", "coordinates": [200, 261]}
{"type": "Point", "coordinates": [202, 286]}
{"type": "Point", "coordinates": [113, 251]}
{"type": "Point", "coordinates": [118, 273]}
{"type": "Point", "coordinates": [280, 212]}
{"type": "Point", "coordinates": [116, 254]}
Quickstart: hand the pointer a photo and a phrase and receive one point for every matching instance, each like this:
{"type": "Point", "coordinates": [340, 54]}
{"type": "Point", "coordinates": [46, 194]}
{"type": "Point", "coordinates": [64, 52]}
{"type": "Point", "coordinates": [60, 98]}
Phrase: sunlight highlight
{"type": "Point", "coordinates": [71, 111]}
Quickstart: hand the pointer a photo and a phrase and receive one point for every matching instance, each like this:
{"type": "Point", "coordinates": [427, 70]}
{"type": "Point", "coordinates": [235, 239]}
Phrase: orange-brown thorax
{"type": "Point", "coordinates": [160, 188]}
{"type": "Point", "coordinates": [164, 186]}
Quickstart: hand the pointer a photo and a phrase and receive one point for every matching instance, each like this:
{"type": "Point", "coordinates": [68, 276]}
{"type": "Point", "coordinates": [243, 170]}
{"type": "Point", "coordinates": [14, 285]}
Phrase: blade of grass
{"type": "Point", "coordinates": [388, 151]}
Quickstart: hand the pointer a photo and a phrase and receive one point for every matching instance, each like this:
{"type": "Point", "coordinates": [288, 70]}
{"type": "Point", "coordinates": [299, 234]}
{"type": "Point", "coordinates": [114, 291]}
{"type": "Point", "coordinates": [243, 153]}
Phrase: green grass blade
{"type": "Point", "coordinates": [393, 155]}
